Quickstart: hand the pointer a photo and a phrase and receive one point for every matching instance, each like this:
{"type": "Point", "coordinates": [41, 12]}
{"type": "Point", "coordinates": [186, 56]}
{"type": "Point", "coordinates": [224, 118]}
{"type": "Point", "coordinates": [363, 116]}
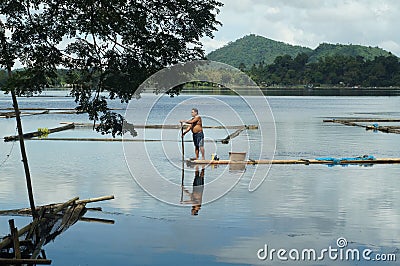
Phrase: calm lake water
{"type": "Point", "coordinates": [296, 207]}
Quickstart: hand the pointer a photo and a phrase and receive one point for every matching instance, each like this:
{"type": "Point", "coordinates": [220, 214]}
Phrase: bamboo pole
{"type": "Point", "coordinates": [37, 249]}
{"type": "Point", "coordinates": [183, 161]}
{"type": "Point", "coordinates": [51, 109]}
{"type": "Point", "coordinates": [27, 211]}
{"type": "Point", "coordinates": [299, 161]}
{"type": "Point", "coordinates": [166, 126]}
{"type": "Point", "coordinates": [183, 144]}
{"type": "Point", "coordinates": [7, 241]}
{"type": "Point", "coordinates": [96, 220]}
{"type": "Point", "coordinates": [22, 148]}
{"type": "Point", "coordinates": [112, 140]}
{"type": "Point", "coordinates": [337, 120]}
{"type": "Point", "coordinates": [35, 223]}
{"type": "Point", "coordinates": [62, 206]}
{"type": "Point", "coordinates": [350, 122]}
{"type": "Point", "coordinates": [15, 239]}
{"type": "Point", "coordinates": [12, 114]}
{"type": "Point", "coordinates": [233, 135]}
{"type": "Point", "coordinates": [24, 261]}
{"type": "Point", "coordinates": [95, 199]}
{"type": "Point", "coordinates": [38, 133]}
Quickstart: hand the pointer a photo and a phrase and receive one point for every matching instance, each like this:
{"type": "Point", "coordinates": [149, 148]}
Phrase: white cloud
{"type": "Point", "coordinates": [392, 46]}
{"type": "Point", "coordinates": [310, 22]}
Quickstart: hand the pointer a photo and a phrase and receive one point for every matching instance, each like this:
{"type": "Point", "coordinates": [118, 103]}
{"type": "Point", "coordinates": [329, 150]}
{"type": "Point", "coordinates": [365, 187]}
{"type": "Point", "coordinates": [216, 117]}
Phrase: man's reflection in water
{"type": "Point", "coordinates": [196, 196]}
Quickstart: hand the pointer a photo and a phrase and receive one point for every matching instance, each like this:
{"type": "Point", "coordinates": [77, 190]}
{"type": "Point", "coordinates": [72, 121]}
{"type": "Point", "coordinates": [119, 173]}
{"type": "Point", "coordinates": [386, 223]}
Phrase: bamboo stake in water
{"type": "Point", "coordinates": [183, 161]}
{"type": "Point", "coordinates": [183, 144]}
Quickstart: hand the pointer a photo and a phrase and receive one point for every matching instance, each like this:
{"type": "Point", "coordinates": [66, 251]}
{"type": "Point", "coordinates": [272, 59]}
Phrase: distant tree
{"type": "Point", "coordinates": [242, 67]}
{"type": "Point", "coordinates": [330, 70]}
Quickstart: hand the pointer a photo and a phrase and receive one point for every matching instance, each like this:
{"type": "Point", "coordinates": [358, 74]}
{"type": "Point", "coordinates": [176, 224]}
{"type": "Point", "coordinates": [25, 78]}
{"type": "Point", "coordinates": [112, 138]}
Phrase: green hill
{"type": "Point", "coordinates": [327, 49]}
{"type": "Point", "coordinates": [253, 49]}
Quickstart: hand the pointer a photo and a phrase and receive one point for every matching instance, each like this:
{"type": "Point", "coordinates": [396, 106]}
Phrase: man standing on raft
{"type": "Point", "coordinates": [196, 126]}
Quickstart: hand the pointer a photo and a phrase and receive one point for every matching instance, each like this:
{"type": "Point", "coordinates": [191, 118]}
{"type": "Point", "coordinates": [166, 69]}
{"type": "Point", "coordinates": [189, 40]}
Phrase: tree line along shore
{"type": "Point", "coordinates": [290, 72]}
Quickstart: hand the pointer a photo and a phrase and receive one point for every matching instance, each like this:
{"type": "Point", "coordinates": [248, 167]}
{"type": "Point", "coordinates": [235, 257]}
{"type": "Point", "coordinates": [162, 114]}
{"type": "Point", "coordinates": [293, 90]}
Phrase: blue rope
{"type": "Point", "coordinates": [339, 160]}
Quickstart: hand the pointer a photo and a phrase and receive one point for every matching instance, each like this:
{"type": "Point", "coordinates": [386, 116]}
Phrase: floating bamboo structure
{"type": "Point", "coordinates": [39, 133]}
{"type": "Point", "coordinates": [122, 140]}
{"type": "Point", "coordinates": [12, 114]}
{"type": "Point", "coordinates": [177, 126]}
{"type": "Point", "coordinates": [99, 139]}
{"type": "Point", "coordinates": [370, 120]}
{"type": "Point", "coordinates": [355, 123]}
{"type": "Point", "coordinates": [71, 125]}
{"type": "Point", "coordinates": [43, 111]}
{"type": "Point", "coordinates": [115, 140]}
{"type": "Point", "coordinates": [298, 161]}
{"type": "Point", "coordinates": [56, 207]}
{"type": "Point", "coordinates": [52, 220]}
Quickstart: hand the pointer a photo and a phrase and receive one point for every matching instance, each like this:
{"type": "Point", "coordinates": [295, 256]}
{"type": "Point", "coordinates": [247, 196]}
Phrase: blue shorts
{"type": "Point", "coordinates": [198, 139]}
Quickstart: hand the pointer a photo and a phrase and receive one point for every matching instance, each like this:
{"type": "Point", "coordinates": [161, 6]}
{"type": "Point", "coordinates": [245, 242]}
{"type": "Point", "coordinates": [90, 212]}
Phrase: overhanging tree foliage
{"type": "Point", "coordinates": [108, 46]}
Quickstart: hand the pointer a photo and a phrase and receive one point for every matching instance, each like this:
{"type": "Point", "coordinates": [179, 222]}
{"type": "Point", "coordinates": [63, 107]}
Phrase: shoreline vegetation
{"type": "Point", "coordinates": [286, 72]}
{"type": "Point", "coordinates": [216, 87]}
{"type": "Point", "coordinates": [294, 90]}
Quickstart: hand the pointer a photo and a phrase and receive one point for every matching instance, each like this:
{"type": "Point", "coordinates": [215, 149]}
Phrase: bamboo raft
{"type": "Point", "coordinates": [355, 122]}
{"type": "Point", "coordinates": [52, 220]}
{"type": "Point", "coordinates": [298, 161]}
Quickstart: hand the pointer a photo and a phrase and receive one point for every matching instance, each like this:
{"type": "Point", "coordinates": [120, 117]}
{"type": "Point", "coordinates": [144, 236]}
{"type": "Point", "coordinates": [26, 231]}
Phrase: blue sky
{"type": "Point", "coordinates": [311, 22]}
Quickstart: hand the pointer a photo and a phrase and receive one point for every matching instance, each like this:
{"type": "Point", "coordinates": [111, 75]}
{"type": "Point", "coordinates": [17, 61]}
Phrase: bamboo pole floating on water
{"type": "Point", "coordinates": [338, 120]}
{"type": "Point", "coordinates": [114, 140]}
{"type": "Point", "coordinates": [352, 122]}
{"type": "Point", "coordinates": [233, 135]}
{"type": "Point", "coordinates": [299, 161]}
{"type": "Point", "coordinates": [38, 133]}
{"type": "Point", "coordinates": [63, 205]}
{"type": "Point", "coordinates": [165, 126]}
{"type": "Point", "coordinates": [50, 109]}
{"type": "Point", "coordinates": [24, 261]}
{"type": "Point", "coordinates": [96, 220]}
{"type": "Point", "coordinates": [95, 199]}
{"type": "Point", "coordinates": [12, 114]}
{"type": "Point", "coordinates": [43, 111]}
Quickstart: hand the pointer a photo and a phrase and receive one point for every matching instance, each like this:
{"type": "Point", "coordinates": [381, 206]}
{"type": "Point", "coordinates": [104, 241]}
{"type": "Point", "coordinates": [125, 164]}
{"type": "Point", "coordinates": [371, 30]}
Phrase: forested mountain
{"type": "Point", "coordinates": [327, 49]}
{"type": "Point", "coordinates": [253, 49]}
